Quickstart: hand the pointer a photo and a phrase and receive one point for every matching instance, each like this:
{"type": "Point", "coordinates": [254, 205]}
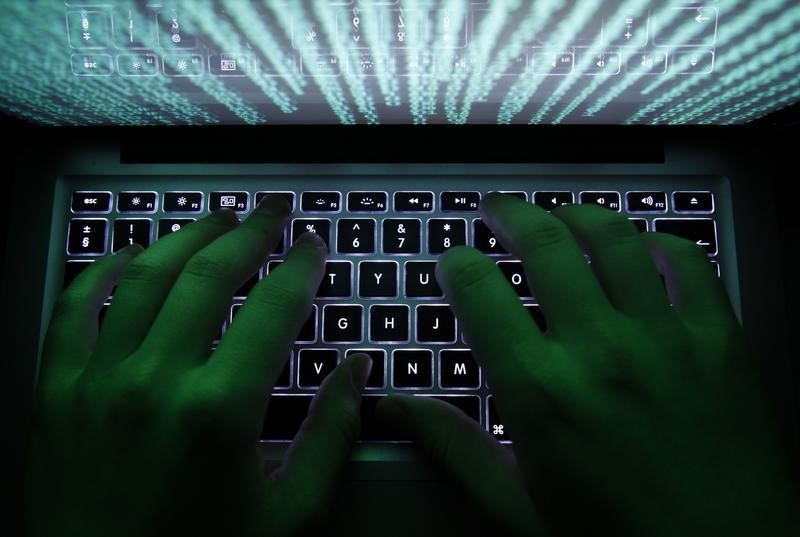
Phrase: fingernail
{"type": "Point", "coordinates": [225, 216]}
{"type": "Point", "coordinates": [131, 250]}
{"type": "Point", "coordinates": [274, 203]}
{"type": "Point", "coordinates": [359, 371]}
{"type": "Point", "coordinates": [312, 239]}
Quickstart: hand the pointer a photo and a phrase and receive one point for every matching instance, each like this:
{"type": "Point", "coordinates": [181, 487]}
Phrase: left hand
{"type": "Point", "coordinates": [141, 430]}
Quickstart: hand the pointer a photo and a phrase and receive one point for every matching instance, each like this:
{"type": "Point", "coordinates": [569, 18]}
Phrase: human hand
{"type": "Point", "coordinates": [141, 430]}
{"type": "Point", "coordinates": [628, 416]}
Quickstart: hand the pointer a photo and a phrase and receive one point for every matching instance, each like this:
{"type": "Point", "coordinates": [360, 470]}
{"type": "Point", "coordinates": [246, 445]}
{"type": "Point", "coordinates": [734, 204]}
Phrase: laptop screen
{"type": "Point", "coordinates": [128, 62]}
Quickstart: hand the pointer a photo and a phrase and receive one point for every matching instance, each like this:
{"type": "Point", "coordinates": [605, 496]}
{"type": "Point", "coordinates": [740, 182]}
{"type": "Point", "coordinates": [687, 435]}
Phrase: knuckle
{"type": "Point", "coordinates": [547, 234]}
{"type": "Point", "coordinates": [143, 269]}
{"type": "Point", "coordinates": [205, 265]}
{"type": "Point", "coordinates": [282, 298]}
{"type": "Point", "coordinates": [208, 411]}
{"type": "Point", "coordinates": [469, 273]}
{"type": "Point", "coordinates": [614, 231]}
{"type": "Point", "coordinates": [131, 400]}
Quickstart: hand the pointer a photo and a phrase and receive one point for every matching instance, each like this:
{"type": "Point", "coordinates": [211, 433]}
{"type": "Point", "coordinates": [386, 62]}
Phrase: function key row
{"type": "Point", "coordinates": [378, 202]}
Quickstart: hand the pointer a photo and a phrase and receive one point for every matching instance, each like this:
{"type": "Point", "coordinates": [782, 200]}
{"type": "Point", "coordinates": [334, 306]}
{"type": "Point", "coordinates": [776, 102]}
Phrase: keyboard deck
{"type": "Point", "coordinates": [379, 294]}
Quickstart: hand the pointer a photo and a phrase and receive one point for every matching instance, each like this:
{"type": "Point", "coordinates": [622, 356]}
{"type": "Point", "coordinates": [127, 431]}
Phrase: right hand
{"type": "Point", "coordinates": [635, 413]}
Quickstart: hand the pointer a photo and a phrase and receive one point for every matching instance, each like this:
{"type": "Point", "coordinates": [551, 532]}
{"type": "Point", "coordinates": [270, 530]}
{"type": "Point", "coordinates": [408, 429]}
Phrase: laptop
{"type": "Point", "coordinates": [383, 123]}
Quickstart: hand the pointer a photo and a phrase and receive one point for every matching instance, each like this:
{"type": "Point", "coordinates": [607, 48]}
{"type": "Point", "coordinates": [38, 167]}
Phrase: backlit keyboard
{"type": "Point", "coordinates": [379, 294]}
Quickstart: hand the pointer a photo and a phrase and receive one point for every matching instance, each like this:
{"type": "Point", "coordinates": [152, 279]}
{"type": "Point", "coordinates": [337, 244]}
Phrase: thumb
{"type": "Point", "coordinates": [485, 468]}
{"type": "Point", "coordinates": [307, 479]}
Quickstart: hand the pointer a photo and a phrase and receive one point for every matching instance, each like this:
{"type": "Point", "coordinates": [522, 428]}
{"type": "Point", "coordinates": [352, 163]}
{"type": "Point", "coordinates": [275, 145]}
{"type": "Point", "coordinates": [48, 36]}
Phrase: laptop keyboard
{"type": "Point", "coordinates": [379, 294]}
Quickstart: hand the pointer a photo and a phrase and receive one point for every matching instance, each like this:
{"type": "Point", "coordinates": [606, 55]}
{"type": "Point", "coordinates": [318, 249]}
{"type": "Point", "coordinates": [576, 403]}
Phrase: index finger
{"type": "Point", "coordinates": [559, 276]}
{"type": "Point", "coordinates": [495, 323]}
{"type": "Point", "coordinates": [254, 349]}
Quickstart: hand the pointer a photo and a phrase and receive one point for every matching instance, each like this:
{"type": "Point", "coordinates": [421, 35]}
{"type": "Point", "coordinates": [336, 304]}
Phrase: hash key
{"type": "Point", "coordinates": [87, 237]}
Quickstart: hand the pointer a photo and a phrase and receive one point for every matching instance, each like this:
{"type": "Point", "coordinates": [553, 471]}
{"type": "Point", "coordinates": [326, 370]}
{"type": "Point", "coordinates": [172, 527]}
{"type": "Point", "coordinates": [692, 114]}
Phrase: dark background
{"type": "Point", "coordinates": [775, 136]}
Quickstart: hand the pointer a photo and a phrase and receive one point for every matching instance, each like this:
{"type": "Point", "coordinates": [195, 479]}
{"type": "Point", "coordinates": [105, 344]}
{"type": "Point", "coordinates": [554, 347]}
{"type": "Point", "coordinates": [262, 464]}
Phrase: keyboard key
{"type": "Point", "coordinates": [235, 201]}
{"type": "Point", "coordinates": [288, 196]}
{"type": "Point", "coordinates": [72, 269]}
{"type": "Point", "coordinates": [435, 324]}
{"type": "Point", "coordinates": [338, 280]}
{"type": "Point", "coordinates": [520, 195]}
{"type": "Point", "coordinates": [515, 274]}
{"type": "Point", "coordinates": [374, 428]}
{"type": "Point", "coordinates": [284, 416]}
{"type": "Point", "coordinates": [389, 324]}
{"type": "Point", "coordinates": [377, 279]}
{"type": "Point", "coordinates": [377, 375]}
{"type": "Point", "coordinates": [537, 315]}
{"type": "Point", "coordinates": [367, 202]}
{"type": "Point", "coordinates": [444, 233]}
{"type": "Point", "coordinates": [421, 280]}
{"type": "Point", "coordinates": [496, 425]}
{"type": "Point", "coordinates": [609, 200]}
{"type": "Point", "coordinates": [458, 369]}
{"type": "Point", "coordinates": [485, 240]}
{"type": "Point", "coordinates": [459, 201]}
{"type": "Point", "coordinates": [234, 311]}
{"type": "Point", "coordinates": [320, 226]}
{"type": "Point", "coordinates": [468, 404]}
{"type": "Point", "coordinates": [412, 369]}
{"type": "Point", "coordinates": [342, 324]}
{"type": "Point", "coordinates": [137, 202]}
{"type": "Point", "coordinates": [321, 202]}
{"type": "Point", "coordinates": [413, 202]}
{"type": "Point", "coordinates": [640, 223]}
{"type": "Point", "coordinates": [646, 202]}
{"type": "Point", "coordinates": [701, 231]}
{"type": "Point", "coordinates": [130, 231]}
{"type": "Point", "coordinates": [272, 265]}
{"type": "Point", "coordinates": [355, 236]}
{"type": "Point", "coordinates": [550, 200]}
{"type": "Point", "coordinates": [87, 237]}
{"type": "Point", "coordinates": [183, 202]}
{"type": "Point", "coordinates": [101, 315]}
{"type": "Point", "coordinates": [284, 380]}
{"type": "Point", "coordinates": [91, 202]}
{"type": "Point", "coordinates": [402, 236]}
{"type": "Point", "coordinates": [308, 332]}
{"type": "Point", "coordinates": [247, 286]}
{"type": "Point", "coordinates": [171, 225]}
{"type": "Point", "coordinates": [693, 202]}
{"type": "Point", "coordinates": [313, 365]}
